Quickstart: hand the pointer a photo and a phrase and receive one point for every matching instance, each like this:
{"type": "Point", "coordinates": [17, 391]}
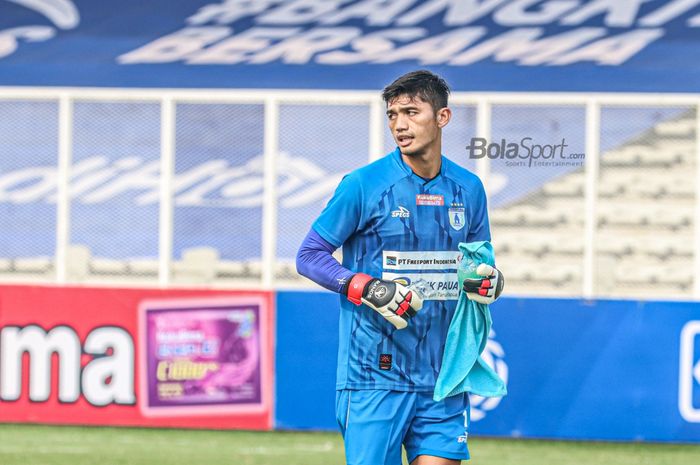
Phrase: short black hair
{"type": "Point", "coordinates": [427, 86]}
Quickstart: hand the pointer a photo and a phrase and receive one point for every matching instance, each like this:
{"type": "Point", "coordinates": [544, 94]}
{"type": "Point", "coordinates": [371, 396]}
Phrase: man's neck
{"type": "Point", "coordinates": [427, 165]}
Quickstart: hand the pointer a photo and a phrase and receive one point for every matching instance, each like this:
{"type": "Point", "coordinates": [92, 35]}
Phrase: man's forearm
{"type": "Point", "coordinates": [315, 261]}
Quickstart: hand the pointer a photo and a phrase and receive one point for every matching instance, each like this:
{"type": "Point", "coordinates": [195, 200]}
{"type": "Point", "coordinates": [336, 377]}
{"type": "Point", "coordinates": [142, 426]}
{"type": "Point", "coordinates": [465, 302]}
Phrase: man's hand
{"type": "Point", "coordinates": [487, 289]}
{"type": "Point", "coordinates": [393, 301]}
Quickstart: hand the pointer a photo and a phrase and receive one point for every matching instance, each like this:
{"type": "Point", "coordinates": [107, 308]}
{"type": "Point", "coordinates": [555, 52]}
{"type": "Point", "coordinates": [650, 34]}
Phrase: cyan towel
{"type": "Point", "coordinates": [463, 369]}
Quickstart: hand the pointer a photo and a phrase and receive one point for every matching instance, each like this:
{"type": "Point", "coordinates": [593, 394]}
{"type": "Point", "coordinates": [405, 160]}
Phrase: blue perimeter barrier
{"type": "Point", "coordinates": [608, 370]}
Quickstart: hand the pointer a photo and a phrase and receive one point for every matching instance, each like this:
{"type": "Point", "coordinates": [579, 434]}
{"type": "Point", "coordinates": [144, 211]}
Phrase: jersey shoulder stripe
{"type": "Point", "coordinates": [379, 174]}
{"type": "Point", "coordinates": [462, 176]}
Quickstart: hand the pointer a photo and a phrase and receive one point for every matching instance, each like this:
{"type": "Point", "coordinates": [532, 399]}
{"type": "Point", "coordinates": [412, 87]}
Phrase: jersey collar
{"type": "Point", "coordinates": [407, 169]}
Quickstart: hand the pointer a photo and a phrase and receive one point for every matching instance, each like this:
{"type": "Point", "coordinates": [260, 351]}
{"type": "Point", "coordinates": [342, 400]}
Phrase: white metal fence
{"type": "Point", "coordinates": [218, 187]}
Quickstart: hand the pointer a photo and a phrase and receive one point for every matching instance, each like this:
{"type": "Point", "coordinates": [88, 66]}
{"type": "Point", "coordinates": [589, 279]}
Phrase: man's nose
{"type": "Point", "coordinates": [401, 122]}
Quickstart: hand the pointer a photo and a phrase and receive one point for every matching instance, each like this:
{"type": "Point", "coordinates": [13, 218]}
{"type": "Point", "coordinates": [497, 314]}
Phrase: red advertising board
{"type": "Point", "coordinates": [136, 357]}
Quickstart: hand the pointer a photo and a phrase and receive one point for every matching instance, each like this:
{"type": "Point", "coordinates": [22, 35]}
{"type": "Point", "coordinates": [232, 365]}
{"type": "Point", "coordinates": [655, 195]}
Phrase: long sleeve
{"type": "Point", "coordinates": [315, 261]}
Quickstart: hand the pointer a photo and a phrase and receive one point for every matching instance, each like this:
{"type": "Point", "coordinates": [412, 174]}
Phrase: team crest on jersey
{"type": "Point", "coordinates": [456, 215]}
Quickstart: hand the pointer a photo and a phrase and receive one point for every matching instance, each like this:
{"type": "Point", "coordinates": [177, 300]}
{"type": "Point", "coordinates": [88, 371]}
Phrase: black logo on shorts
{"type": "Point", "coordinates": [385, 362]}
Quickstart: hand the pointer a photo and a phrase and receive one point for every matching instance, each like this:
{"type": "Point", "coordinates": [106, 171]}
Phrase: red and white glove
{"type": "Point", "coordinates": [487, 289]}
{"type": "Point", "coordinates": [394, 301]}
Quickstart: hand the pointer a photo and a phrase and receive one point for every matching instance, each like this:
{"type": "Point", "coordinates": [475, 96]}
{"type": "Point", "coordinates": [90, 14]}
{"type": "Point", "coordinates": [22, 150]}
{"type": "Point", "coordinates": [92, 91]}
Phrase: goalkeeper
{"type": "Point", "coordinates": [399, 221]}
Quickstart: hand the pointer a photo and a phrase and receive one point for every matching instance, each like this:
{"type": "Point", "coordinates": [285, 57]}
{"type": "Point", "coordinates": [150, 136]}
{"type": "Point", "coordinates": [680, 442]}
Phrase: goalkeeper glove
{"type": "Point", "coordinates": [487, 289]}
{"type": "Point", "coordinates": [394, 301]}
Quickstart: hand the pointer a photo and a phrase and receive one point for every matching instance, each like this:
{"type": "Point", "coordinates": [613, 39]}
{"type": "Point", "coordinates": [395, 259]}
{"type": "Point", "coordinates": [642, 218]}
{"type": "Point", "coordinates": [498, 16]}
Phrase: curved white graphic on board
{"type": "Point", "coordinates": [62, 13]}
{"type": "Point", "coordinates": [494, 355]}
{"type": "Point", "coordinates": [212, 183]}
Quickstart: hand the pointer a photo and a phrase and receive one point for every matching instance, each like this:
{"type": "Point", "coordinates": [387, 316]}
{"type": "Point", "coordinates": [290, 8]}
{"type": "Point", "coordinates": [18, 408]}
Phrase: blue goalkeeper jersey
{"type": "Point", "coordinates": [393, 224]}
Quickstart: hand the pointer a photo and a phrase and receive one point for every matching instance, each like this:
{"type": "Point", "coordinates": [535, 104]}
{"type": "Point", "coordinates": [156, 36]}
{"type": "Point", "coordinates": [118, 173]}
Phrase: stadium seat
{"type": "Point", "coordinates": [608, 188]}
{"type": "Point", "coordinates": [527, 216]}
{"type": "Point", "coordinates": [230, 269]}
{"type": "Point", "coordinates": [532, 244]}
{"type": "Point", "coordinates": [632, 273]}
{"type": "Point", "coordinates": [506, 240]}
{"type": "Point", "coordinates": [637, 156]}
{"type": "Point", "coordinates": [670, 274]}
{"type": "Point", "coordinates": [665, 156]}
{"type": "Point", "coordinates": [77, 262]}
{"type": "Point", "coordinates": [515, 270]}
{"type": "Point", "coordinates": [673, 217]}
{"type": "Point", "coordinates": [525, 270]}
{"type": "Point", "coordinates": [33, 265]}
{"type": "Point", "coordinates": [683, 146]}
{"type": "Point", "coordinates": [620, 158]}
{"type": "Point", "coordinates": [573, 214]}
{"type": "Point", "coordinates": [143, 266]}
{"type": "Point", "coordinates": [286, 269]}
{"type": "Point", "coordinates": [615, 215]}
{"type": "Point", "coordinates": [613, 244]}
{"type": "Point", "coordinates": [540, 217]}
{"type": "Point", "coordinates": [680, 186]}
{"type": "Point", "coordinates": [198, 265]}
{"type": "Point", "coordinates": [253, 269]}
{"type": "Point", "coordinates": [566, 244]}
{"type": "Point", "coordinates": [676, 187]}
{"type": "Point", "coordinates": [540, 244]}
{"type": "Point", "coordinates": [564, 187]}
{"type": "Point", "coordinates": [108, 266]}
{"type": "Point", "coordinates": [560, 240]}
{"type": "Point", "coordinates": [560, 274]}
{"type": "Point", "coordinates": [665, 247]}
{"type": "Point", "coordinates": [505, 217]}
{"type": "Point", "coordinates": [650, 274]}
{"type": "Point", "coordinates": [677, 128]}
{"type": "Point", "coordinates": [5, 265]}
{"type": "Point", "coordinates": [645, 188]}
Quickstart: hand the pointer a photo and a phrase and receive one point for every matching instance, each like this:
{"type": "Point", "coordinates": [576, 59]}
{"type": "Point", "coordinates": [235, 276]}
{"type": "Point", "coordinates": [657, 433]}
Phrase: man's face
{"type": "Point", "coordinates": [413, 124]}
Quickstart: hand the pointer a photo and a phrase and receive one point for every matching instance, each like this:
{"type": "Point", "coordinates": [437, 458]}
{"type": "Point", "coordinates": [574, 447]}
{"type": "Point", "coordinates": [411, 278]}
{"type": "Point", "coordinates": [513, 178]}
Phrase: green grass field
{"type": "Point", "coordinates": [57, 445]}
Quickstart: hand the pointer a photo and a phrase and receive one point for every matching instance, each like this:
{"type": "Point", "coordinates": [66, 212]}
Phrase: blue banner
{"type": "Point", "coordinates": [477, 44]}
{"type": "Point", "coordinates": [305, 360]}
{"type": "Point", "coordinates": [608, 370]}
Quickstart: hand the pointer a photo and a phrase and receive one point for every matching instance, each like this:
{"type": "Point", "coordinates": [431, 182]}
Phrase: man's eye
{"type": "Point", "coordinates": [412, 113]}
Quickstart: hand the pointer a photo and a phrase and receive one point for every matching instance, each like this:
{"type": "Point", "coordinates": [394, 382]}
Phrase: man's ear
{"type": "Point", "coordinates": [443, 117]}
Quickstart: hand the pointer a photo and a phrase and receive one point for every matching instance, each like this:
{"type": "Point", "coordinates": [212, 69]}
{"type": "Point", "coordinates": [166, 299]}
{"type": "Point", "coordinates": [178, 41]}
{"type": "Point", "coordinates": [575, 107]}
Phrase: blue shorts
{"type": "Point", "coordinates": [375, 423]}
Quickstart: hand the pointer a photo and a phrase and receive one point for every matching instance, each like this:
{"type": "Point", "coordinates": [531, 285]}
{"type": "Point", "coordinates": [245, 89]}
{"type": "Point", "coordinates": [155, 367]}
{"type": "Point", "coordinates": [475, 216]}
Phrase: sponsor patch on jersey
{"type": "Point", "coordinates": [421, 260]}
{"type": "Point", "coordinates": [433, 200]}
{"type": "Point", "coordinates": [456, 215]}
{"type": "Point", "coordinates": [385, 362]}
{"type": "Point", "coordinates": [431, 286]}
{"type": "Point", "coordinates": [402, 212]}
